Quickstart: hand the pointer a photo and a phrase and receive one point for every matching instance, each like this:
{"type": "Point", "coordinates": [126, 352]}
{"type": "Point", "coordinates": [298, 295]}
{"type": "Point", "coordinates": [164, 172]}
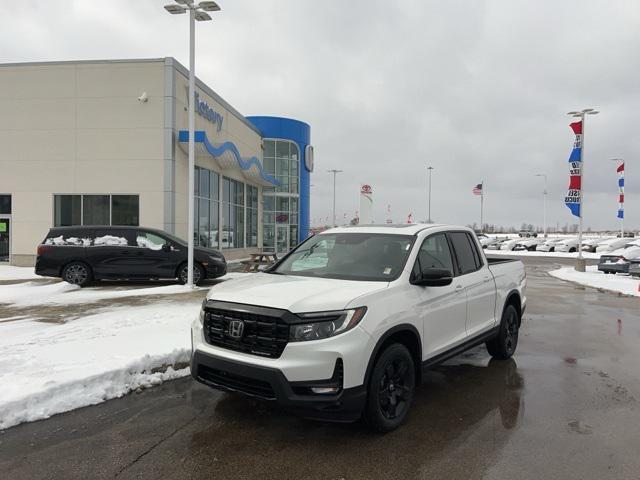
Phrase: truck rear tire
{"type": "Point", "coordinates": [504, 344]}
{"type": "Point", "coordinates": [391, 388]}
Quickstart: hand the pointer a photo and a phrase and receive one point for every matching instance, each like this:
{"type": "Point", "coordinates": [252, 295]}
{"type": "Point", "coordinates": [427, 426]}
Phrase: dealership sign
{"type": "Point", "coordinates": [205, 111]}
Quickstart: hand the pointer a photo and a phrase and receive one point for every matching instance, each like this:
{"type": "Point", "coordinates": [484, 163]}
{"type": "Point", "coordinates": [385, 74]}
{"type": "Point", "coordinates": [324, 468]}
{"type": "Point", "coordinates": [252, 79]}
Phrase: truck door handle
{"type": "Point", "coordinates": [487, 278]}
{"type": "Point", "coordinates": [459, 288]}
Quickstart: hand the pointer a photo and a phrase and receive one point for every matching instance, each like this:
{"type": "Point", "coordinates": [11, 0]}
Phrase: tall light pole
{"type": "Point", "coordinates": [582, 114]}
{"type": "Point", "coordinates": [196, 12]}
{"type": "Point", "coordinates": [621, 193]}
{"type": "Point", "coordinates": [544, 203]}
{"type": "Point", "coordinates": [335, 172]}
{"type": "Point", "coordinates": [430, 169]}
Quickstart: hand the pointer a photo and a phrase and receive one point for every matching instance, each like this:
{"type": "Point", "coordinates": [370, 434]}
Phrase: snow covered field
{"type": "Point", "coordinates": [593, 278]}
{"type": "Point", "coordinates": [110, 350]}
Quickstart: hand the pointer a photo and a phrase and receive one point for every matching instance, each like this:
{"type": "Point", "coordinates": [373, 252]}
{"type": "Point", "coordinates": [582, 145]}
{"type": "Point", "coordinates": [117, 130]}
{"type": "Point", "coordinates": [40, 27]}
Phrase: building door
{"type": "Point", "coordinates": [5, 238]}
{"type": "Point", "coordinates": [282, 238]}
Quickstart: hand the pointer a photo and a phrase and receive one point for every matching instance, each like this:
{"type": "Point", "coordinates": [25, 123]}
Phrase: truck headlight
{"type": "Point", "coordinates": [325, 324]}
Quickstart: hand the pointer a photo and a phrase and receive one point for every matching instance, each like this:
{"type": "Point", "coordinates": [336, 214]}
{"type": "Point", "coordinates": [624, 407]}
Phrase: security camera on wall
{"type": "Point", "coordinates": [144, 98]}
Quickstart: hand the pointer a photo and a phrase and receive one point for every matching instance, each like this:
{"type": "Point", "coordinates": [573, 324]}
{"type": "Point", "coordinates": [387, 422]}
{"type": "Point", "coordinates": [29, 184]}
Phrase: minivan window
{"type": "Point", "coordinates": [464, 253]}
{"type": "Point", "coordinates": [349, 256]}
{"type": "Point", "coordinates": [150, 240]}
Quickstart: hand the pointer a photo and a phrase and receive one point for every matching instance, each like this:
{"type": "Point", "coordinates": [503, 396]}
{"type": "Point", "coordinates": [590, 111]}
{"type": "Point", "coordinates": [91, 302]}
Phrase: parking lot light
{"type": "Point", "coordinates": [196, 12]}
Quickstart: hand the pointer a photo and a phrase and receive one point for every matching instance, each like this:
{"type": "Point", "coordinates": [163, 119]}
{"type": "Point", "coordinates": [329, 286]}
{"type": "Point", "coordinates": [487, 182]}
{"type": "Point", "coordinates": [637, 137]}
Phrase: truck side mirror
{"type": "Point", "coordinates": [433, 277]}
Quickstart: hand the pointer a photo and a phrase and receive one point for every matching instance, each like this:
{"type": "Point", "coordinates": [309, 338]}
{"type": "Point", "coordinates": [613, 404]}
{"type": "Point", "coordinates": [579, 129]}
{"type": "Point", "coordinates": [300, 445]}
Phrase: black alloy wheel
{"type": "Point", "coordinates": [504, 344]}
{"type": "Point", "coordinates": [391, 389]}
{"type": "Point", "coordinates": [77, 273]}
{"type": "Point", "coordinates": [198, 274]}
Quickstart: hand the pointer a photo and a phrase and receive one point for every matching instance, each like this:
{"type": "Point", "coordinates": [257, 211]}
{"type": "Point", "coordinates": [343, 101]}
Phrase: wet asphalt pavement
{"type": "Point", "coordinates": [565, 407]}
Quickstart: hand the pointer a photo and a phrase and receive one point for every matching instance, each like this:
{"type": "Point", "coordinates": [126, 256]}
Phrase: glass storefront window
{"type": "Point", "coordinates": [124, 210]}
{"type": "Point", "coordinates": [252, 216]}
{"type": "Point", "coordinates": [79, 209]}
{"type": "Point", "coordinates": [270, 165]}
{"type": "Point", "coordinates": [232, 214]}
{"type": "Point", "coordinates": [5, 204]}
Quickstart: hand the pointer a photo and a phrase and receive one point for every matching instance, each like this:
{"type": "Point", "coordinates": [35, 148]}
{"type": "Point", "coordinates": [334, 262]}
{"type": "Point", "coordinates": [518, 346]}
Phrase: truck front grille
{"type": "Point", "coordinates": [262, 335]}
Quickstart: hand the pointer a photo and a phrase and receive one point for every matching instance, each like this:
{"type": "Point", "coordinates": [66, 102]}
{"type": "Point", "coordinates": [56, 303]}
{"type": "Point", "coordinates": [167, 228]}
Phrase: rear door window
{"type": "Point", "coordinates": [467, 260]}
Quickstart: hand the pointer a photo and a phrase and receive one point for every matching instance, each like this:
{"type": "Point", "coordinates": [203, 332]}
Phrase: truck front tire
{"type": "Point", "coordinates": [391, 388]}
{"type": "Point", "coordinates": [504, 344]}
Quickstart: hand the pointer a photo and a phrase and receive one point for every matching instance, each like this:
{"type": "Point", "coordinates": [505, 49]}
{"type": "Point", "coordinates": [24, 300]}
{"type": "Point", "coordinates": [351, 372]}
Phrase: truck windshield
{"type": "Point", "coordinates": [349, 256]}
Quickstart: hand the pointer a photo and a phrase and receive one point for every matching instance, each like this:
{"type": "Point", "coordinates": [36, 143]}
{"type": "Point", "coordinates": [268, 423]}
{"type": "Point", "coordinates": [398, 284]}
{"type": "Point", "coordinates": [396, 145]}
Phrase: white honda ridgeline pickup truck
{"type": "Point", "coordinates": [342, 326]}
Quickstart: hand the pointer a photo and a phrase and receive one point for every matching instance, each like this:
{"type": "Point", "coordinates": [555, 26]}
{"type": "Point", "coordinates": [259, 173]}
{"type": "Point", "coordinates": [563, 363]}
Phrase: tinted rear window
{"type": "Point", "coordinates": [464, 252]}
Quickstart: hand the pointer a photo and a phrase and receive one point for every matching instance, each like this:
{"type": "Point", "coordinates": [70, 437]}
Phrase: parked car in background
{"type": "Point", "coordinates": [634, 267]}
{"type": "Point", "coordinates": [496, 245]}
{"type": "Point", "coordinates": [509, 244]}
{"type": "Point", "coordinates": [487, 241]}
{"type": "Point", "coordinates": [527, 233]}
{"type": "Point", "coordinates": [342, 327]}
{"type": "Point", "coordinates": [549, 245]}
{"type": "Point", "coordinates": [590, 244]}
{"type": "Point", "coordinates": [80, 255]}
{"type": "Point", "coordinates": [619, 261]}
{"type": "Point", "coordinates": [568, 245]}
{"type": "Point", "coordinates": [529, 244]}
{"type": "Point", "coordinates": [611, 244]}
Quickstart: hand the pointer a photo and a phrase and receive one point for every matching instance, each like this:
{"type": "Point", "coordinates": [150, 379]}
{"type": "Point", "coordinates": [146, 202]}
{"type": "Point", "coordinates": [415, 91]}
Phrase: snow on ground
{"type": "Point", "coordinates": [48, 368]}
{"type": "Point", "coordinates": [63, 293]}
{"type": "Point", "coordinates": [525, 253]}
{"type": "Point", "coordinates": [593, 278]}
{"type": "Point", "coordinates": [9, 272]}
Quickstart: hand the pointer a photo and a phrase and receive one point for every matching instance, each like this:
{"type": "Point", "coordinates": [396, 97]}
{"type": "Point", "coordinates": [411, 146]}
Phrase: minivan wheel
{"type": "Point", "coordinates": [77, 273]}
{"type": "Point", "coordinates": [504, 344]}
{"type": "Point", "coordinates": [391, 388]}
{"type": "Point", "coordinates": [198, 273]}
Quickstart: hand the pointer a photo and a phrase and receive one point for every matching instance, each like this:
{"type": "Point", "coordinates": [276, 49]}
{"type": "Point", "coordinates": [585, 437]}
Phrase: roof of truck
{"type": "Point", "coordinates": [390, 228]}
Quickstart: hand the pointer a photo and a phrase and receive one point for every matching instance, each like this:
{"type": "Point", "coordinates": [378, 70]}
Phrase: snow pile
{"type": "Point", "coordinates": [72, 241]}
{"type": "Point", "coordinates": [110, 240]}
{"type": "Point", "coordinates": [52, 368]}
{"type": "Point", "coordinates": [593, 278]}
{"type": "Point", "coordinates": [9, 272]}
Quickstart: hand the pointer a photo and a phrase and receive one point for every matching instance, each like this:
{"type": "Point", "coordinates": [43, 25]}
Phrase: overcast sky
{"type": "Point", "coordinates": [477, 89]}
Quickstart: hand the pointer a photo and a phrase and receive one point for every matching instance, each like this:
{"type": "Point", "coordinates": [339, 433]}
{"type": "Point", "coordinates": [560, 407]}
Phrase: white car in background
{"type": "Point", "coordinates": [569, 245]}
{"type": "Point", "coordinates": [590, 244]}
{"type": "Point", "coordinates": [530, 244]}
{"type": "Point", "coordinates": [485, 242]}
{"type": "Point", "coordinates": [509, 244]}
{"type": "Point", "coordinates": [549, 245]}
{"type": "Point", "coordinates": [619, 261]}
{"type": "Point", "coordinates": [612, 244]}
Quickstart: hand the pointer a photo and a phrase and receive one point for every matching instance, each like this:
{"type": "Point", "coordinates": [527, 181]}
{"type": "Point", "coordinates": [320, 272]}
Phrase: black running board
{"type": "Point", "coordinates": [441, 357]}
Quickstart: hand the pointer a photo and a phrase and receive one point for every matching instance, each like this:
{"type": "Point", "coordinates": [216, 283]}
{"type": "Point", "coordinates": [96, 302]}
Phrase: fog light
{"type": "Point", "coordinates": [325, 390]}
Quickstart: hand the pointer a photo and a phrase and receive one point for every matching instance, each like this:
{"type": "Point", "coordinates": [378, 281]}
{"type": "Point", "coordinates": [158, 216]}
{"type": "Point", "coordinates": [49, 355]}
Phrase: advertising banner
{"type": "Point", "coordinates": [573, 200]}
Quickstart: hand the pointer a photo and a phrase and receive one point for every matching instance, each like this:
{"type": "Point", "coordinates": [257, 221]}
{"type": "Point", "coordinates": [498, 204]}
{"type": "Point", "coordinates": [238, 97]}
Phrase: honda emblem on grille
{"type": "Point", "coordinates": [236, 329]}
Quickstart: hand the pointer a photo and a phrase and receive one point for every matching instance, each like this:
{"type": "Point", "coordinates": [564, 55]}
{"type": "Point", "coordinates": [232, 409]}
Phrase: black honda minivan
{"type": "Point", "coordinates": [80, 255]}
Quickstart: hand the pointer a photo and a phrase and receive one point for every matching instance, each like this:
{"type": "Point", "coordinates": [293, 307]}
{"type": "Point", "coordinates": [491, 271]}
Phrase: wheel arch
{"type": "Point", "coordinates": [405, 334]}
{"type": "Point", "coordinates": [513, 298]}
{"type": "Point", "coordinates": [75, 260]}
{"type": "Point", "coordinates": [184, 262]}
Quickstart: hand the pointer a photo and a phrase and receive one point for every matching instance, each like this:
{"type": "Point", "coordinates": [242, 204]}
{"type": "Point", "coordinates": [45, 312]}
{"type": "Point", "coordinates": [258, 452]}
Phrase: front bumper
{"type": "Point", "coordinates": [215, 268]}
{"type": "Point", "coordinates": [270, 384]}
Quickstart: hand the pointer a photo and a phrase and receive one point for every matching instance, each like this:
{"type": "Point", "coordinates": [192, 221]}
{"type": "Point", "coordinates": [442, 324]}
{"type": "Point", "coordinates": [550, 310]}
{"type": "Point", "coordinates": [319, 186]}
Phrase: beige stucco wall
{"type": "Point", "coordinates": [78, 128]}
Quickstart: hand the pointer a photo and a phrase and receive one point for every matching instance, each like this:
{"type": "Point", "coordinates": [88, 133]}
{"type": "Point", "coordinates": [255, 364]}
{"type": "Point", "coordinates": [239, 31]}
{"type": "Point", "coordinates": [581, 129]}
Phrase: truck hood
{"type": "Point", "coordinates": [296, 294]}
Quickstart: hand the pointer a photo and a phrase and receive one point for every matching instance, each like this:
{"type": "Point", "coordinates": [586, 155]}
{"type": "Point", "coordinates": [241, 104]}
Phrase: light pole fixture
{"type": "Point", "coordinates": [335, 172]}
{"type": "Point", "coordinates": [197, 12]}
{"type": "Point", "coordinates": [581, 114]}
{"type": "Point", "coordinates": [430, 169]}
{"type": "Point", "coordinates": [544, 203]}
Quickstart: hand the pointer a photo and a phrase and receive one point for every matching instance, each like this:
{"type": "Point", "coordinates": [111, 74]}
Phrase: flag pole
{"type": "Point", "coordinates": [481, 206]}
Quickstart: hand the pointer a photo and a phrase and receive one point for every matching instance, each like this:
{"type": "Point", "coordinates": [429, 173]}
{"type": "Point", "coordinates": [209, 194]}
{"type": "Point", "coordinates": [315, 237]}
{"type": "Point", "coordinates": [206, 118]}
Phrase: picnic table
{"type": "Point", "coordinates": [259, 258]}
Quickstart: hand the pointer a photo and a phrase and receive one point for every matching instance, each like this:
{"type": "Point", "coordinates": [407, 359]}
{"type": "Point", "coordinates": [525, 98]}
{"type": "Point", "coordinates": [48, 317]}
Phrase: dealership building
{"type": "Point", "coordinates": [105, 143]}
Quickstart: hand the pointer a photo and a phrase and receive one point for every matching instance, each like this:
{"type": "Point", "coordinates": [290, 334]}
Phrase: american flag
{"type": "Point", "coordinates": [477, 190]}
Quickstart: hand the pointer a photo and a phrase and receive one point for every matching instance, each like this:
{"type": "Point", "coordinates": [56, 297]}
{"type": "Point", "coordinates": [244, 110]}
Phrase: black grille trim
{"type": "Point", "coordinates": [266, 330]}
{"type": "Point", "coordinates": [236, 383]}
